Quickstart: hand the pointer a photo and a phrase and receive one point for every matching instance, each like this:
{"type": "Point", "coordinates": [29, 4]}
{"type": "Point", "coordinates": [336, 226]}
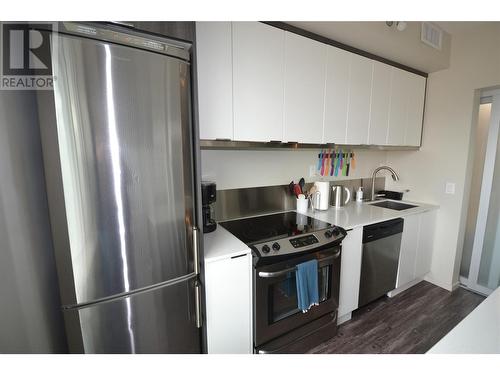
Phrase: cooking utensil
{"type": "Point", "coordinates": [322, 164]}
{"type": "Point", "coordinates": [302, 184]}
{"type": "Point", "coordinates": [337, 165]}
{"type": "Point", "coordinates": [312, 190]}
{"type": "Point", "coordinates": [319, 160]}
{"type": "Point", "coordinates": [296, 190]}
{"type": "Point", "coordinates": [291, 187]}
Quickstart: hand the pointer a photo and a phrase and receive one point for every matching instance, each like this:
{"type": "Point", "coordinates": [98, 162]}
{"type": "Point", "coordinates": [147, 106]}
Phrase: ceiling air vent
{"type": "Point", "coordinates": [431, 35]}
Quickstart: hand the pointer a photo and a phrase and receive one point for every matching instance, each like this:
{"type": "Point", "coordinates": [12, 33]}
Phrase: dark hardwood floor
{"type": "Point", "coordinates": [411, 322]}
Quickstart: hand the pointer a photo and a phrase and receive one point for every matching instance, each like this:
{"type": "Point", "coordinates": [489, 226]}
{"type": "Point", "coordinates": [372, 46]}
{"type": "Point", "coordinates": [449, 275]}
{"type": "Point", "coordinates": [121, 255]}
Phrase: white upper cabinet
{"type": "Point", "coordinates": [258, 53]}
{"type": "Point", "coordinates": [397, 109]}
{"type": "Point", "coordinates": [415, 109]}
{"type": "Point", "coordinates": [406, 108]}
{"type": "Point", "coordinates": [215, 81]}
{"type": "Point", "coordinates": [259, 83]}
{"type": "Point", "coordinates": [380, 101]}
{"type": "Point", "coordinates": [305, 66]}
{"type": "Point", "coordinates": [358, 113]}
{"type": "Point", "coordinates": [338, 64]}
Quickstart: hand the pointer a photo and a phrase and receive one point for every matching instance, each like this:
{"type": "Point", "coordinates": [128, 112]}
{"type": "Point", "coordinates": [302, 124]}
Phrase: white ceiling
{"type": "Point", "coordinates": [403, 47]}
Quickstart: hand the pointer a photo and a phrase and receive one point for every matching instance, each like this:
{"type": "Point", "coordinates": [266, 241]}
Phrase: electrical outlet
{"type": "Point", "coordinates": [450, 188]}
{"type": "Point", "coordinates": [312, 171]}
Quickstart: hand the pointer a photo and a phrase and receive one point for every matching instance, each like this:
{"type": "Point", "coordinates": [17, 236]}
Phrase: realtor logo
{"type": "Point", "coordinates": [26, 56]}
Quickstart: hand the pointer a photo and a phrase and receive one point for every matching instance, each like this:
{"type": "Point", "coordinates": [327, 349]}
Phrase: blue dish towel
{"type": "Point", "coordinates": [307, 285]}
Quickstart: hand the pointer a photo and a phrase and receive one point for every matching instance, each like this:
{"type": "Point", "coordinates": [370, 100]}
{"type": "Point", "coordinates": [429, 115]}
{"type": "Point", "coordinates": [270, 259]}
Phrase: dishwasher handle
{"type": "Point", "coordinates": [384, 229]}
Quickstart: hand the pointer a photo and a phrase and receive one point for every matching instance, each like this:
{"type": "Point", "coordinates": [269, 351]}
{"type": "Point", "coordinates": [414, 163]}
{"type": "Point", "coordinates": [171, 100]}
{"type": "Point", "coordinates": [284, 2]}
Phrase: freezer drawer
{"type": "Point", "coordinates": [160, 320]}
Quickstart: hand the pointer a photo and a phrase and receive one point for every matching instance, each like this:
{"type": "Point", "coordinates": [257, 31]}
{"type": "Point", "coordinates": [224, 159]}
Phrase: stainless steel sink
{"type": "Point", "coordinates": [393, 205]}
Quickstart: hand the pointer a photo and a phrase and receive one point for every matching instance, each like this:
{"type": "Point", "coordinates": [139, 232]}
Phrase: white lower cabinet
{"type": "Point", "coordinates": [228, 288]}
{"type": "Point", "coordinates": [408, 252]}
{"type": "Point", "coordinates": [350, 272]}
{"type": "Point", "coordinates": [416, 249]}
{"type": "Point", "coordinates": [425, 243]}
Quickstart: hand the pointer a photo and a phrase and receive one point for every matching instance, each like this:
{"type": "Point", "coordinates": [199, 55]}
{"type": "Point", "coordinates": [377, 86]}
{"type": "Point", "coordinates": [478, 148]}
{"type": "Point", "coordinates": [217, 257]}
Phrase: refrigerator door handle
{"type": "Point", "coordinates": [196, 252]}
{"type": "Point", "coordinates": [197, 284]}
{"type": "Point", "coordinates": [197, 292]}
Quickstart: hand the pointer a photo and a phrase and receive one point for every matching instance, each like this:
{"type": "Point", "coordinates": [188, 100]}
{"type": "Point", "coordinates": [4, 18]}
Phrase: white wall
{"type": "Point", "coordinates": [240, 169]}
{"type": "Point", "coordinates": [450, 117]}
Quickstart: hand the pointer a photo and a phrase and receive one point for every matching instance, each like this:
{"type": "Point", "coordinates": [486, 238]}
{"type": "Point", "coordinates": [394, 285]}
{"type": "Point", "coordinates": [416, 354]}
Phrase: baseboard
{"type": "Point", "coordinates": [402, 288]}
{"type": "Point", "coordinates": [449, 287]}
{"type": "Point", "coordinates": [344, 318]}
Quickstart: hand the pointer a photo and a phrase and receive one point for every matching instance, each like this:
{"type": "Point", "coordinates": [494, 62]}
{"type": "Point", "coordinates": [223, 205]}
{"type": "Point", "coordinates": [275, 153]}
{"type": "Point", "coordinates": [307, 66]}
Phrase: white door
{"type": "Point", "coordinates": [397, 109]}
{"type": "Point", "coordinates": [350, 271]}
{"type": "Point", "coordinates": [338, 64]}
{"type": "Point", "coordinates": [229, 305]}
{"type": "Point", "coordinates": [415, 109]}
{"type": "Point", "coordinates": [380, 101]}
{"type": "Point", "coordinates": [484, 272]}
{"type": "Point", "coordinates": [258, 69]}
{"type": "Point", "coordinates": [305, 72]}
{"type": "Point", "coordinates": [408, 252]}
{"type": "Point", "coordinates": [215, 81]}
{"type": "Point", "coordinates": [358, 114]}
{"type": "Point", "coordinates": [425, 243]}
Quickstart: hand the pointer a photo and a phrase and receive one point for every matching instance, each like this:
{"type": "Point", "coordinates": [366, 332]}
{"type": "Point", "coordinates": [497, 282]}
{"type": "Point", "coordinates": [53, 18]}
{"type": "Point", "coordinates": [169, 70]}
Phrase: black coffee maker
{"type": "Point", "coordinates": [208, 196]}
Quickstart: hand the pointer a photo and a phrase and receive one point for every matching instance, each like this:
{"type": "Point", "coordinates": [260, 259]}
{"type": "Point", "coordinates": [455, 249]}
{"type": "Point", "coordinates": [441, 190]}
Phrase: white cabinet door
{"type": "Point", "coordinates": [228, 288]}
{"type": "Point", "coordinates": [305, 71]}
{"type": "Point", "coordinates": [380, 100]}
{"type": "Point", "coordinates": [358, 114]}
{"type": "Point", "coordinates": [350, 271]}
{"type": "Point", "coordinates": [215, 82]}
{"type": "Point", "coordinates": [336, 95]}
{"type": "Point", "coordinates": [408, 252]}
{"type": "Point", "coordinates": [397, 109]}
{"type": "Point", "coordinates": [258, 53]}
{"type": "Point", "coordinates": [425, 243]}
{"type": "Point", "coordinates": [415, 109]}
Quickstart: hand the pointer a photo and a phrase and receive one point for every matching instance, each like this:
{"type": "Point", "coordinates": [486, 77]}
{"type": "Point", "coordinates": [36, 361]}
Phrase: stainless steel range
{"type": "Point", "coordinates": [279, 243]}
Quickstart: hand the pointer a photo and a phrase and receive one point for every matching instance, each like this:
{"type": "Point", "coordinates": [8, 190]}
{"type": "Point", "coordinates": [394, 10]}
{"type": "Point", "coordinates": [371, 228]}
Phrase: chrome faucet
{"type": "Point", "coordinates": [394, 175]}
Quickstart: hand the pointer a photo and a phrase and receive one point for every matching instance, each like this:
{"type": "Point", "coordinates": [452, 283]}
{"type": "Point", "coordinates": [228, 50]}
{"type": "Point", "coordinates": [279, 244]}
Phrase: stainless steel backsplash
{"type": "Point", "coordinates": [236, 203]}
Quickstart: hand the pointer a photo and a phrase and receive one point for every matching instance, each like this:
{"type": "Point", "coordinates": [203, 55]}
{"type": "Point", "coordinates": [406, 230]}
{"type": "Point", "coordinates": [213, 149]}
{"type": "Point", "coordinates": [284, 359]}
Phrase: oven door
{"type": "Point", "coordinates": [276, 305]}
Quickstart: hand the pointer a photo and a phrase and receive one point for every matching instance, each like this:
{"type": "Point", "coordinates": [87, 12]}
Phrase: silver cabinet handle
{"type": "Point", "coordinates": [292, 269]}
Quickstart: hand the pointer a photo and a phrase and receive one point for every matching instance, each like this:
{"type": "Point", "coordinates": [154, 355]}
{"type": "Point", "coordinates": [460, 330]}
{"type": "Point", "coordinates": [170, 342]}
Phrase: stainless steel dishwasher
{"type": "Point", "coordinates": [379, 267]}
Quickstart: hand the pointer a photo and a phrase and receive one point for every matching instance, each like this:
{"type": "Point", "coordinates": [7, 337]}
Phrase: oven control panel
{"type": "Point", "coordinates": [300, 243]}
{"type": "Point", "coordinates": [303, 241]}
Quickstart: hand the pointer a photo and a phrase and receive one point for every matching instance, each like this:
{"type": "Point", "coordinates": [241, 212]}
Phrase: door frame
{"type": "Point", "coordinates": [493, 97]}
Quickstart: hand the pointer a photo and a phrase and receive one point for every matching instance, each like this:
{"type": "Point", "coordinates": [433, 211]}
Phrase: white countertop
{"type": "Point", "coordinates": [360, 214]}
{"type": "Point", "coordinates": [478, 333]}
{"type": "Point", "coordinates": [221, 244]}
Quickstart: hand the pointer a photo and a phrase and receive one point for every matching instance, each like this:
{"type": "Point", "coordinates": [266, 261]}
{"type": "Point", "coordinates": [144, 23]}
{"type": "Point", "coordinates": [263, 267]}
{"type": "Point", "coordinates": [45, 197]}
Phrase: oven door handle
{"type": "Point", "coordinates": [292, 269]}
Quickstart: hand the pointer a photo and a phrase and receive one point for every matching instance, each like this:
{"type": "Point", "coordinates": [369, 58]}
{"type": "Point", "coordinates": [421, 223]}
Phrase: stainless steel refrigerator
{"type": "Point", "coordinates": [119, 163]}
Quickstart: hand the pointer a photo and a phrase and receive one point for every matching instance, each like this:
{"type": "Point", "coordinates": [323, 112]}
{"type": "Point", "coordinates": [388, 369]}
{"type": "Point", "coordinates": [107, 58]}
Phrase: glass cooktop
{"type": "Point", "coordinates": [269, 227]}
